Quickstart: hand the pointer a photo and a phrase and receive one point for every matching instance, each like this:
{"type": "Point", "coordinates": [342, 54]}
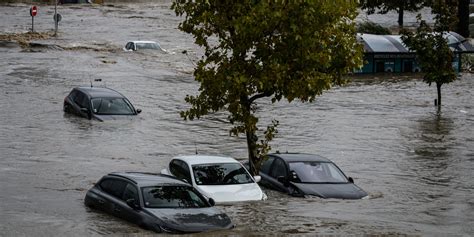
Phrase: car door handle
{"type": "Point", "coordinates": [117, 209]}
{"type": "Point", "coordinates": [101, 201]}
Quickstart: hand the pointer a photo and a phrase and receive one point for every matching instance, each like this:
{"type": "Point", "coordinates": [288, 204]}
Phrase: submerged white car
{"type": "Point", "coordinates": [143, 45]}
{"type": "Point", "coordinates": [223, 179]}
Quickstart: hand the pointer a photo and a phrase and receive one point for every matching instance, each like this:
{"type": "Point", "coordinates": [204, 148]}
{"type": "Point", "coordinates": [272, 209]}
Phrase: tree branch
{"type": "Point", "coordinates": [258, 96]}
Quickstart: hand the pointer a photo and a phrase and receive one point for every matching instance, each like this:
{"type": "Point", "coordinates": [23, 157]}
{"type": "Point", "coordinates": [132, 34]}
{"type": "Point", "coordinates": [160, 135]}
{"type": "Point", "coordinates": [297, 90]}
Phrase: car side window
{"type": "Point", "coordinates": [265, 168]}
{"type": "Point", "coordinates": [278, 169]}
{"type": "Point", "coordinates": [114, 187]}
{"type": "Point", "coordinates": [81, 100]}
{"type": "Point", "coordinates": [73, 95]}
{"type": "Point", "coordinates": [180, 169]}
{"type": "Point", "coordinates": [130, 192]}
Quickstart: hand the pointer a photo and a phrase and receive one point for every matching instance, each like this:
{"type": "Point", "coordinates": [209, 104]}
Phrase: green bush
{"type": "Point", "coordinates": [369, 27]}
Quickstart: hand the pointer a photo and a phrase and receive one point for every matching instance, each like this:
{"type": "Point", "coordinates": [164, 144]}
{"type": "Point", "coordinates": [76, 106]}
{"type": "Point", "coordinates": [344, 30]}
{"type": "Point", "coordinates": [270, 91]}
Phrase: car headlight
{"type": "Point", "coordinates": [264, 196]}
{"type": "Point", "coordinates": [366, 197]}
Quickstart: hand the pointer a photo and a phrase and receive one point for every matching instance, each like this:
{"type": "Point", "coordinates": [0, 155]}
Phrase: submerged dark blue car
{"type": "Point", "coordinates": [99, 103]}
{"type": "Point", "coordinates": [157, 202]}
{"type": "Point", "coordinates": [306, 174]}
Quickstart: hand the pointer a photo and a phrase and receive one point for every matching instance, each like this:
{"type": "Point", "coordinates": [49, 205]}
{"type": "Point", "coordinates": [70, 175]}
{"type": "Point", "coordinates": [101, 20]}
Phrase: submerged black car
{"type": "Point", "coordinates": [100, 103]}
{"type": "Point", "coordinates": [157, 202]}
{"type": "Point", "coordinates": [306, 174]}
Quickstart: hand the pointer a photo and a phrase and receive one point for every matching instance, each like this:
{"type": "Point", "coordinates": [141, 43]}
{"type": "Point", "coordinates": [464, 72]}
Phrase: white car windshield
{"type": "Point", "coordinates": [172, 197]}
{"type": "Point", "coordinates": [221, 174]}
{"type": "Point", "coordinates": [111, 106]}
{"type": "Point", "coordinates": [317, 172]}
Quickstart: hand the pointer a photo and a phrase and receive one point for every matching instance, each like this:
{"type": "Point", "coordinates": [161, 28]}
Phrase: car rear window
{"type": "Point", "coordinates": [172, 197]}
{"type": "Point", "coordinates": [221, 174]}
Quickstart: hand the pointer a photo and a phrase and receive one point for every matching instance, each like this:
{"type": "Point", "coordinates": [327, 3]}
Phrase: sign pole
{"type": "Point", "coordinates": [32, 24]}
{"type": "Point", "coordinates": [55, 18]}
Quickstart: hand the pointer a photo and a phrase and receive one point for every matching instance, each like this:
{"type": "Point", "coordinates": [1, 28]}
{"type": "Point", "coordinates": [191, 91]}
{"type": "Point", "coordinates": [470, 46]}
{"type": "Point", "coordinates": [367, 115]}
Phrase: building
{"type": "Point", "coordinates": [388, 54]}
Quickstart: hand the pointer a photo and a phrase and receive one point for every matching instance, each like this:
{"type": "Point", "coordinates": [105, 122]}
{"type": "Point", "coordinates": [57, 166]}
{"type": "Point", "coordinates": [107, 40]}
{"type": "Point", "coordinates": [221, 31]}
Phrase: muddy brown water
{"type": "Point", "coordinates": [416, 164]}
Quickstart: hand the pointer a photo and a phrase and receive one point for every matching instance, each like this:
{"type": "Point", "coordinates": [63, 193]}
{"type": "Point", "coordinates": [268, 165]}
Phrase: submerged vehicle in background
{"type": "Point", "coordinates": [143, 45]}
{"type": "Point", "coordinates": [305, 174]}
{"type": "Point", "coordinates": [99, 103]}
{"type": "Point", "coordinates": [223, 179]}
{"type": "Point", "coordinates": [157, 202]}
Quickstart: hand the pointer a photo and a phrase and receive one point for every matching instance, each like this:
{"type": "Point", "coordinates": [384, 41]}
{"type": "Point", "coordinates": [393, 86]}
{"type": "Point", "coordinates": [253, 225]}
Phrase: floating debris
{"type": "Point", "coordinates": [24, 39]}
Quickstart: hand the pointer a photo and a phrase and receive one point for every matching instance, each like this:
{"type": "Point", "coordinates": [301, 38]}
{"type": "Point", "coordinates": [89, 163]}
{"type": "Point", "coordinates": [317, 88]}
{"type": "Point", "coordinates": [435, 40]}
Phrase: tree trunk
{"type": "Point", "coordinates": [250, 135]}
{"type": "Point", "coordinates": [400, 17]}
{"type": "Point", "coordinates": [251, 145]}
{"type": "Point", "coordinates": [438, 87]}
{"type": "Point", "coordinates": [463, 16]}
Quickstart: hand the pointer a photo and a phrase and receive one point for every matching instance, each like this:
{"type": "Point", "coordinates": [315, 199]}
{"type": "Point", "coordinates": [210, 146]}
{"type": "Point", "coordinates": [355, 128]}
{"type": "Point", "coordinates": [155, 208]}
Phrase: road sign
{"type": "Point", "coordinates": [33, 11]}
{"type": "Point", "coordinates": [57, 17]}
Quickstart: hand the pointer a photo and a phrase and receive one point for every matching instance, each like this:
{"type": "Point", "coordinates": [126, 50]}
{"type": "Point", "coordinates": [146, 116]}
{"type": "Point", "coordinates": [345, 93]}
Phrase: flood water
{"type": "Point", "coordinates": [415, 163]}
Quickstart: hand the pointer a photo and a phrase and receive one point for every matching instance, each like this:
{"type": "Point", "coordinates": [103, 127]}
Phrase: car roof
{"type": "Point", "coordinates": [100, 92]}
{"type": "Point", "coordinates": [143, 179]}
{"type": "Point", "coordinates": [206, 159]}
{"type": "Point", "coordinates": [143, 42]}
{"type": "Point", "coordinates": [294, 157]}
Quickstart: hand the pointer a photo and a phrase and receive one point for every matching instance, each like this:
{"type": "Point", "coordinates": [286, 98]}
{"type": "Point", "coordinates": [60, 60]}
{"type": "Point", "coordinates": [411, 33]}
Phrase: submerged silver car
{"type": "Point", "coordinates": [157, 202]}
{"type": "Point", "coordinates": [99, 103]}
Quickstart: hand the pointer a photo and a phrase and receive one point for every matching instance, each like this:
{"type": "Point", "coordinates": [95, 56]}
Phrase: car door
{"type": "Point", "coordinates": [278, 169]}
{"type": "Point", "coordinates": [124, 210]}
{"type": "Point", "coordinates": [265, 171]}
{"type": "Point", "coordinates": [111, 197]}
{"type": "Point", "coordinates": [74, 97]}
{"type": "Point", "coordinates": [81, 101]}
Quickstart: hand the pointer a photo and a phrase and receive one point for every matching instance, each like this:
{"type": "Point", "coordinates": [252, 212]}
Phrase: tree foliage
{"type": "Point", "coordinates": [431, 45]}
{"type": "Point", "coordinates": [369, 27]}
{"type": "Point", "coordinates": [266, 49]}
{"type": "Point", "coordinates": [384, 6]}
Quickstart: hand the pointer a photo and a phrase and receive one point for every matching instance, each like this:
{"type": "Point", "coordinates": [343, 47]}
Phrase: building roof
{"type": "Point", "coordinates": [206, 159]}
{"type": "Point", "coordinates": [394, 44]}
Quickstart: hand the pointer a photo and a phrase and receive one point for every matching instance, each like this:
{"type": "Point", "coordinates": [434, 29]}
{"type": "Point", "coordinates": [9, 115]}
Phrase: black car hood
{"type": "Point", "coordinates": [192, 219]}
{"type": "Point", "coordinates": [337, 190]}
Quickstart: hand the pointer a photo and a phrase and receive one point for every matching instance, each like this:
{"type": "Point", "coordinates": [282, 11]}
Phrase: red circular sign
{"type": "Point", "coordinates": [33, 10]}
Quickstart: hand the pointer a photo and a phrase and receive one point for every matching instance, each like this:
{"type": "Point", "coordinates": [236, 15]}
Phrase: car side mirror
{"type": "Point", "coordinates": [139, 111]}
{"type": "Point", "coordinates": [133, 204]}
{"type": "Point", "coordinates": [294, 176]}
{"type": "Point", "coordinates": [257, 178]}
{"type": "Point", "coordinates": [212, 202]}
{"type": "Point", "coordinates": [351, 180]}
{"type": "Point", "coordinates": [283, 180]}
